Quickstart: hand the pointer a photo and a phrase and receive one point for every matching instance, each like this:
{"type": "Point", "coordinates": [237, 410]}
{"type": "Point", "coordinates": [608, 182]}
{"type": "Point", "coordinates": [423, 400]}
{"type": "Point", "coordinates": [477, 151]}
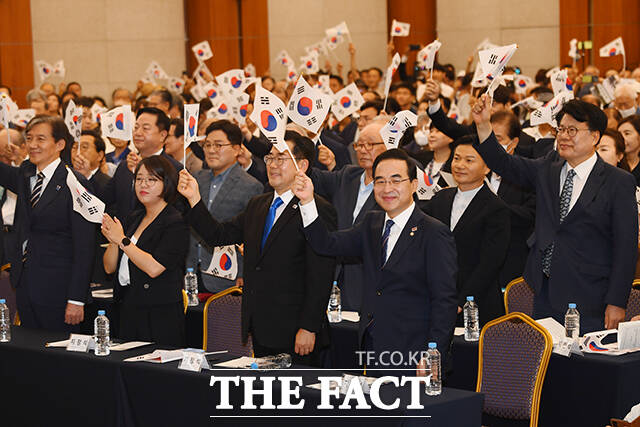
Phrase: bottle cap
{"type": "Point", "coordinates": [572, 305]}
{"type": "Point", "coordinates": [335, 283]}
{"type": "Point", "coordinates": [189, 269]}
{"type": "Point", "coordinates": [433, 345]}
{"type": "Point", "coordinates": [469, 298]}
{"type": "Point", "coordinates": [2, 301]}
{"type": "Point", "coordinates": [254, 365]}
{"type": "Point", "coordinates": [101, 312]}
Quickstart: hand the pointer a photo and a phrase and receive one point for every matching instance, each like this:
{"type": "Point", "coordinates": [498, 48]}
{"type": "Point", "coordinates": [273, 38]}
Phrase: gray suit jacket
{"type": "Point", "coordinates": [232, 198]}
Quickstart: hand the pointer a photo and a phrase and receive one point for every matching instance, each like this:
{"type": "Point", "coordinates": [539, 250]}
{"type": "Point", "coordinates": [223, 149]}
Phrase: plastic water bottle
{"type": "Point", "coordinates": [572, 322]}
{"type": "Point", "coordinates": [471, 320]}
{"type": "Point", "coordinates": [5, 322]}
{"type": "Point", "coordinates": [434, 387]}
{"type": "Point", "coordinates": [191, 287]}
{"type": "Point", "coordinates": [335, 305]}
{"type": "Point", "coordinates": [101, 334]}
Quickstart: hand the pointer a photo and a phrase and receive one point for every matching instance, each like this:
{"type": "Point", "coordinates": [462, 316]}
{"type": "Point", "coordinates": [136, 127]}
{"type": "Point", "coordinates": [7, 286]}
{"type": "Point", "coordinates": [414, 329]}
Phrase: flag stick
{"type": "Point", "coordinates": [624, 62]}
{"type": "Point", "coordinates": [431, 78]}
{"type": "Point", "coordinates": [293, 159]}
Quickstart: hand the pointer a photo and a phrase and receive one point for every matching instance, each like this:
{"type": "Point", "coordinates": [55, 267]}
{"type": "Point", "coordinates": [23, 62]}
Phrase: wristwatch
{"type": "Point", "coordinates": [125, 242]}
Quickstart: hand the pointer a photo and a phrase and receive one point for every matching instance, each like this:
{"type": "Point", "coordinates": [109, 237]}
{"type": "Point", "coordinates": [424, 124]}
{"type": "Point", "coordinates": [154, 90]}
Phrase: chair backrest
{"type": "Point", "coordinates": [518, 296]}
{"type": "Point", "coordinates": [222, 323]}
{"type": "Point", "coordinates": [185, 300]}
{"type": "Point", "coordinates": [633, 304]}
{"type": "Point", "coordinates": [514, 354]}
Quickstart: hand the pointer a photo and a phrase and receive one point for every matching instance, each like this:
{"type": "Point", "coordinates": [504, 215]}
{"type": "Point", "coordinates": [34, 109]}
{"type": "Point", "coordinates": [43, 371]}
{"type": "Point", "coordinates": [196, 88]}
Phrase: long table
{"type": "Point", "coordinates": [50, 386]}
{"type": "Point", "coordinates": [580, 391]}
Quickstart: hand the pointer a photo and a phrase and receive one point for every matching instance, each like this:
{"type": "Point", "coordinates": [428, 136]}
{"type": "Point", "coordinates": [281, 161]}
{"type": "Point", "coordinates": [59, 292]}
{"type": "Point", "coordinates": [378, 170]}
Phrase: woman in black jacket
{"type": "Point", "coordinates": [149, 258]}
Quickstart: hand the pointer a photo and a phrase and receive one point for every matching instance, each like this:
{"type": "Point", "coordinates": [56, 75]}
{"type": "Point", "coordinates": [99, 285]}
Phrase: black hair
{"type": "Point", "coordinates": [510, 119]}
{"type": "Point", "coordinates": [372, 104]}
{"type": "Point", "coordinates": [405, 85]}
{"type": "Point", "coordinates": [378, 70]}
{"type": "Point", "coordinates": [302, 147]}
{"type": "Point", "coordinates": [98, 142]}
{"type": "Point", "coordinates": [392, 107]}
{"type": "Point", "coordinates": [583, 112]}
{"type": "Point", "coordinates": [633, 120]}
{"type": "Point", "coordinates": [165, 95]}
{"type": "Point", "coordinates": [179, 124]}
{"type": "Point", "coordinates": [162, 120]}
{"type": "Point", "coordinates": [100, 100]}
{"type": "Point", "coordinates": [396, 154]}
{"type": "Point", "coordinates": [232, 131]}
{"type": "Point", "coordinates": [59, 131]}
{"type": "Point", "coordinates": [338, 78]}
{"type": "Point", "coordinates": [161, 168]}
{"type": "Point", "coordinates": [502, 95]}
{"type": "Point", "coordinates": [84, 101]}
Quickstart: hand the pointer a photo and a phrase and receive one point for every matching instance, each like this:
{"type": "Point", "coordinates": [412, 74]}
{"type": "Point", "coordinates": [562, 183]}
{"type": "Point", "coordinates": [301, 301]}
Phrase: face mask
{"type": "Point", "coordinates": [626, 113]}
{"type": "Point", "coordinates": [421, 137]}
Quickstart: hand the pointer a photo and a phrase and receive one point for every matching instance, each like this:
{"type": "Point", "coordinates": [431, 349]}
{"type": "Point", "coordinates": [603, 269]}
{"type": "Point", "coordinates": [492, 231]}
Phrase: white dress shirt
{"type": "Point", "coordinates": [9, 207]}
{"type": "Point", "coordinates": [48, 173]}
{"type": "Point", "coordinates": [123, 272]}
{"type": "Point", "coordinates": [583, 170]}
{"type": "Point", "coordinates": [494, 182]}
{"type": "Point", "coordinates": [363, 194]}
{"type": "Point", "coordinates": [286, 198]}
{"type": "Point", "coordinates": [461, 201]}
{"type": "Point", "coordinates": [399, 222]}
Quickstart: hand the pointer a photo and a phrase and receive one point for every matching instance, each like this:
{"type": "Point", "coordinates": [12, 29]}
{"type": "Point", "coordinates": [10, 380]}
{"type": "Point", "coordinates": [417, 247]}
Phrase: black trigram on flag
{"type": "Point", "coordinates": [292, 105]}
{"type": "Point", "coordinates": [279, 112]}
{"type": "Point", "coordinates": [300, 90]}
{"type": "Point", "coordinates": [92, 210]}
{"type": "Point", "coordinates": [264, 100]}
{"type": "Point", "coordinates": [272, 139]}
{"type": "Point", "coordinates": [311, 121]}
{"type": "Point", "coordinates": [319, 105]}
{"type": "Point", "coordinates": [86, 196]}
{"type": "Point", "coordinates": [393, 121]}
{"type": "Point", "coordinates": [493, 59]}
{"type": "Point", "coordinates": [406, 122]}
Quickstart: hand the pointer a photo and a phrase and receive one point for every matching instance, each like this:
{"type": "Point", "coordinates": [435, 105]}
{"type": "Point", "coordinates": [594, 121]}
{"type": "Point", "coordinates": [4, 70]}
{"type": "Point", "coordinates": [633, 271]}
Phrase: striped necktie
{"type": "Point", "coordinates": [37, 190]}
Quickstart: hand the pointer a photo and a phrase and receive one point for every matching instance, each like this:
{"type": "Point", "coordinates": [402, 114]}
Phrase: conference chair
{"type": "Point", "coordinates": [222, 329]}
{"type": "Point", "coordinates": [513, 356]}
{"type": "Point", "coordinates": [185, 300]}
{"type": "Point", "coordinates": [633, 304]}
{"type": "Point", "coordinates": [518, 296]}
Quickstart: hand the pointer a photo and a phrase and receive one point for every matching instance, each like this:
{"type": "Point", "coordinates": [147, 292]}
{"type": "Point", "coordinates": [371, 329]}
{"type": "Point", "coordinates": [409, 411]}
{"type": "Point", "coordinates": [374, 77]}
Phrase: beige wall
{"type": "Point", "coordinates": [294, 24]}
{"type": "Point", "coordinates": [108, 43]}
{"type": "Point", "coordinates": [533, 25]}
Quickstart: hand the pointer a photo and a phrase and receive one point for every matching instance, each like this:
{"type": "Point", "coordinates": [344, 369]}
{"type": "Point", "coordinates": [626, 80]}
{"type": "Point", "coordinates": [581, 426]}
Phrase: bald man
{"type": "Point", "coordinates": [350, 190]}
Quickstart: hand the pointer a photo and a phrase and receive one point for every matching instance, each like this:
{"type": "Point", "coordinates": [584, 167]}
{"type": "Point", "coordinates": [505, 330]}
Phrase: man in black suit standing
{"type": "Point", "coordinates": [586, 230]}
{"type": "Point", "coordinates": [409, 264]}
{"type": "Point", "coordinates": [149, 133]}
{"type": "Point", "coordinates": [286, 283]}
{"type": "Point", "coordinates": [51, 265]}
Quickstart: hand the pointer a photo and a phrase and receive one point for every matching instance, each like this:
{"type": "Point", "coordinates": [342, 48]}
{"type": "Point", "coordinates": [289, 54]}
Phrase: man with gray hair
{"type": "Point", "coordinates": [626, 100]}
{"type": "Point", "coordinates": [37, 100]}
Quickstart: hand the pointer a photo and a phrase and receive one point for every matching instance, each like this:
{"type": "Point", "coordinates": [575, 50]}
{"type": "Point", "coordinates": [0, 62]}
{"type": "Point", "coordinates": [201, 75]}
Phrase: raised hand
{"type": "Point", "coordinates": [432, 92]}
{"type": "Point", "coordinates": [188, 187]}
{"type": "Point", "coordinates": [481, 115]}
{"type": "Point", "coordinates": [132, 161]}
{"type": "Point", "coordinates": [326, 157]}
{"type": "Point", "coordinates": [303, 188]}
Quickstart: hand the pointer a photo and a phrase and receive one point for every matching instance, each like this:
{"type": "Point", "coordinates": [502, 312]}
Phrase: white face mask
{"type": "Point", "coordinates": [421, 137]}
{"type": "Point", "coordinates": [626, 113]}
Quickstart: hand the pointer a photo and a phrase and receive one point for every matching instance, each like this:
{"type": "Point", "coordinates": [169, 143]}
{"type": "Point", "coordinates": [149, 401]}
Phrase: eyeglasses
{"type": "Point", "coordinates": [570, 130]}
{"type": "Point", "coordinates": [394, 181]}
{"type": "Point", "coordinates": [277, 160]}
{"type": "Point", "coordinates": [213, 146]}
{"type": "Point", "coordinates": [366, 145]}
{"type": "Point", "coordinates": [151, 181]}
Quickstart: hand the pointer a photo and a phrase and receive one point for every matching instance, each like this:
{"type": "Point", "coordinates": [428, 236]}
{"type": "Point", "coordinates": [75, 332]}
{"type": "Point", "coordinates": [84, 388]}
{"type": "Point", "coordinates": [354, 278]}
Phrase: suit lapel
{"type": "Point", "coordinates": [354, 188]}
{"type": "Point", "coordinates": [474, 207]}
{"type": "Point", "coordinates": [53, 188]}
{"type": "Point", "coordinates": [376, 236]}
{"type": "Point", "coordinates": [205, 185]}
{"type": "Point", "coordinates": [369, 204]}
{"type": "Point", "coordinates": [551, 191]}
{"type": "Point", "coordinates": [591, 188]}
{"type": "Point", "coordinates": [448, 197]}
{"type": "Point", "coordinates": [289, 212]}
{"type": "Point", "coordinates": [227, 186]}
{"type": "Point", "coordinates": [407, 236]}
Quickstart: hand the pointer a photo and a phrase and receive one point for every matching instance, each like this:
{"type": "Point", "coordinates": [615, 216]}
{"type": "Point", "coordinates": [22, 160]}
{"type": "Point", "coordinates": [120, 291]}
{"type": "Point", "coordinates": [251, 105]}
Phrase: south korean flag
{"type": "Point", "coordinates": [308, 107]}
{"type": "Point", "coordinates": [86, 204]}
{"type": "Point", "coordinates": [346, 102]}
{"type": "Point", "coordinates": [269, 114]}
{"type": "Point", "coordinates": [392, 132]}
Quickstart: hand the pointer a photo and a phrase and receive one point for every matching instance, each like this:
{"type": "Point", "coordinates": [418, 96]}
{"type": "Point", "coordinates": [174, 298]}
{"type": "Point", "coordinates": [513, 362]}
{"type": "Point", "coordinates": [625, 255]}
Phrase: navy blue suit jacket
{"type": "Point", "coordinates": [60, 242]}
{"type": "Point", "coordinates": [596, 245]}
{"type": "Point", "coordinates": [411, 300]}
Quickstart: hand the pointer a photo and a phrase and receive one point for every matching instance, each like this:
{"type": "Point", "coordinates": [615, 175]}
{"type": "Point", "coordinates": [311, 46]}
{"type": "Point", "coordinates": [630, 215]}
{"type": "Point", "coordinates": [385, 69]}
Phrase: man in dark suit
{"type": "Point", "coordinates": [286, 284]}
{"type": "Point", "coordinates": [149, 133]}
{"type": "Point", "coordinates": [226, 189]}
{"type": "Point", "coordinates": [409, 264]}
{"type": "Point", "coordinates": [586, 230]}
{"type": "Point", "coordinates": [480, 224]}
{"type": "Point", "coordinates": [350, 191]}
{"type": "Point", "coordinates": [51, 265]}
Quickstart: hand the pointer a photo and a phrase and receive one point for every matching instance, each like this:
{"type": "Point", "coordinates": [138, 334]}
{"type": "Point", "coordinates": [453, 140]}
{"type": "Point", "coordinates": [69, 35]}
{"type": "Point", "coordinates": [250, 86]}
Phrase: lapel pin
{"type": "Point", "coordinates": [295, 206]}
{"type": "Point", "coordinates": [58, 187]}
{"type": "Point", "coordinates": [412, 231]}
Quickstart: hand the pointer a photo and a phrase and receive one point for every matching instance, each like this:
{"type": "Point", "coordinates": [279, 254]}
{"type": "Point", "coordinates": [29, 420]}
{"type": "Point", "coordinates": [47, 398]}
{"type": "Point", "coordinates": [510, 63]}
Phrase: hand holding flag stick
{"type": "Point", "coordinates": [481, 115]}
{"type": "Point", "coordinates": [188, 187]}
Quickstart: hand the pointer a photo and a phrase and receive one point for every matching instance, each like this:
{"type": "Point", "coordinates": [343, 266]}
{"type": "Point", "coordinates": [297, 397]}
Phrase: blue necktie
{"type": "Point", "coordinates": [271, 216]}
{"type": "Point", "coordinates": [385, 240]}
{"type": "Point", "coordinates": [565, 201]}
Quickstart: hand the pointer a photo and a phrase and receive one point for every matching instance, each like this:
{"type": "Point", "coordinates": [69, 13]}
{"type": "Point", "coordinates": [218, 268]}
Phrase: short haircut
{"type": "Point", "coordinates": [232, 131]}
{"type": "Point", "coordinates": [338, 78]}
{"type": "Point", "coordinates": [162, 120]}
{"type": "Point", "coordinates": [376, 69]}
{"type": "Point", "coordinates": [584, 112]}
{"type": "Point", "coordinates": [372, 104]}
{"type": "Point", "coordinates": [36, 94]}
{"type": "Point", "coordinates": [84, 101]}
{"type": "Point", "coordinates": [58, 128]}
{"type": "Point", "coordinates": [466, 140]}
{"type": "Point", "coordinates": [17, 138]}
{"type": "Point", "coordinates": [302, 147]}
{"type": "Point", "coordinates": [392, 106]}
{"type": "Point", "coordinates": [179, 124]}
{"type": "Point", "coordinates": [119, 90]}
{"type": "Point", "coordinates": [502, 95]}
{"type": "Point", "coordinates": [164, 95]}
{"type": "Point", "coordinates": [396, 154]}
{"type": "Point", "coordinates": [98, 142]}
{"type": "Point", "coordinates": [510, 119]}
{"type": "Point", "coordinates": [99, 100]}
{"type": "Point", "coordinates": [633, 120]}
{"type": "Point", "coordinates": [73, 83]}
{"type": "Point", "coordinates": [161, 168]}
{"type": "Point", "coordinates": [177, 101]}
{"type": "Point", "coordinates": [405, 85]}
{"type": "Point", "coordinates": [625, 90]}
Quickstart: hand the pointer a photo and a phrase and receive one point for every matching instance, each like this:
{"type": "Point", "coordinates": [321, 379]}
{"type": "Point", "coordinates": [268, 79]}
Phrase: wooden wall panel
{"type": "Point", "coordinates": [254, 20]}
{"type": "Point", "coordinates": [574, 23]}
{"type": "Point", "coordinates": [422, 17]}
{"type": "Point", "coordinates": [16, 48]}
{"type": "Point", "coordinates": [615, 18]}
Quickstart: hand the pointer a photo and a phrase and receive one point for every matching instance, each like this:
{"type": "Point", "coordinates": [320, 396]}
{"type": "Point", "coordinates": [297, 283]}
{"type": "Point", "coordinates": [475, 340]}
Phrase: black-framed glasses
{"type": "Point", "coordinates": [396, 180]}
{"type": "Point", "coordinates": [366, 145]}
{"type": "Point", "coordinates": [214, 145]}
{"type": "Point", "coordinates": [277, 160]}
{"type": "Point", "coordinates": [570, 130]}
{"type": "Point", "coordinates": [150, 181]}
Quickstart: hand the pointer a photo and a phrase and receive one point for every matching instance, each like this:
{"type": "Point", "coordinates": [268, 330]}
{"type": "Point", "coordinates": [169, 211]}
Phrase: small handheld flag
{"type": "Point", "coordinates": [224, 262]}
{"type": "Point", "coordinates": [346, 101]}
{"type": "Point", "coordinates": [395, 128]}
{"type": "Point", "coordinates": [613, 48]}
{"type": "Point", "coordinates": [400, 29]}
{"type": "Point", "coordinates": [308, 107]}
{"type": "Point", "coordinates": [86, 204]}
{"type": "Point", "coordinates": [202, 51]}
{"type": "Point", "coordinates": [191, 112]}
{"type": "Point", "coordinates": [73, 120]}
{"type": "Point", "coordinates": [395, 63]}
{"type": "Point", "coordinates": [118, 123]}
